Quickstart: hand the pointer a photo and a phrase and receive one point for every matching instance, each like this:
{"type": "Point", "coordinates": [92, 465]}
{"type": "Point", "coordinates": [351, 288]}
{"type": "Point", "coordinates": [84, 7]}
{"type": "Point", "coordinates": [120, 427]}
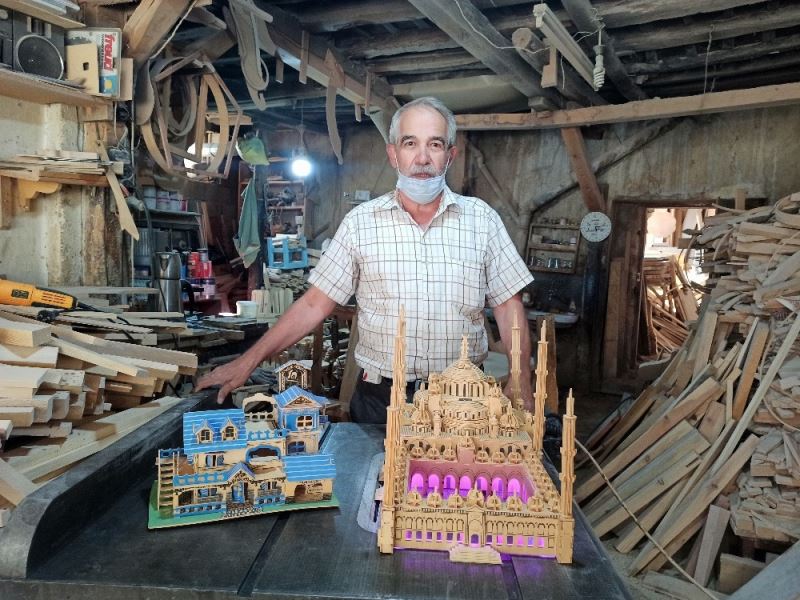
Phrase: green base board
{"type": "Point", "coordinates": [156, 521]}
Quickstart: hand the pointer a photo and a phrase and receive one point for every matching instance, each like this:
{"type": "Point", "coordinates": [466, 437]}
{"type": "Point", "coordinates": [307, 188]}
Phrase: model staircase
{"type": "Point", "coordinates": [167, 469]}
{"type": "Point", "coordinates": [475, 554]}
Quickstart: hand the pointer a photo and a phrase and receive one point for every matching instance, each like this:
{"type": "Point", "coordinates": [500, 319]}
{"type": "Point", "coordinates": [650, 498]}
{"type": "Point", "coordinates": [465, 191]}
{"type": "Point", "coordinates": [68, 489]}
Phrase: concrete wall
{"type": "Point", "coordinates": [46, 245]}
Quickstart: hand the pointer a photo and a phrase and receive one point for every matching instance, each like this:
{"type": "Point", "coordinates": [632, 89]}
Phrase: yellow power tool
{"type": "Point", "coordinates": [23, 294]}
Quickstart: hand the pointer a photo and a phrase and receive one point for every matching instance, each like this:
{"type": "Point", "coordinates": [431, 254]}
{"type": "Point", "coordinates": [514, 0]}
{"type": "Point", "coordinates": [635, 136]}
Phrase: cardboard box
{"type": "Point", "coordinates": [109, 54]}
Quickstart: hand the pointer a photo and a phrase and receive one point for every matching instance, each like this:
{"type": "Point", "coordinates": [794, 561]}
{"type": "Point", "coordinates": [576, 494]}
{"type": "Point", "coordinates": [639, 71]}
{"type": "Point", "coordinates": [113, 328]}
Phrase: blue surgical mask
{"type": "Point", "coordinates": [422, 191]}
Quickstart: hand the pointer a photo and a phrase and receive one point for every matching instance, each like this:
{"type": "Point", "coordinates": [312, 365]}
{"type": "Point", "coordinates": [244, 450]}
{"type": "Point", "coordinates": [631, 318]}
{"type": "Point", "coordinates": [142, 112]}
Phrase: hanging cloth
{"type": "Point", "coordinates": [248, 239]}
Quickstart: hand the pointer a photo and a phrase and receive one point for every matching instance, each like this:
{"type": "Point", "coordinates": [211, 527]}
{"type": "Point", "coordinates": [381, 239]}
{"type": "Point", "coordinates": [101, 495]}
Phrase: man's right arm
{"type": "Point", "coordinates": [300, 319]}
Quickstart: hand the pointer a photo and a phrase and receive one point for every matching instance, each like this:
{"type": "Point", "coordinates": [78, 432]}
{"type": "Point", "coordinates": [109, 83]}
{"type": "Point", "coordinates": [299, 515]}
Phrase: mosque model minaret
{"type": "Point", "coordinates": [463, 470]}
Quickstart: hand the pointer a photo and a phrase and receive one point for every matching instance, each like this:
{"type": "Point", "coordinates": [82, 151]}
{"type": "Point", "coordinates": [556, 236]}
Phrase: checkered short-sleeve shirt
{"type": "Point", "coordinates": [444, 276]}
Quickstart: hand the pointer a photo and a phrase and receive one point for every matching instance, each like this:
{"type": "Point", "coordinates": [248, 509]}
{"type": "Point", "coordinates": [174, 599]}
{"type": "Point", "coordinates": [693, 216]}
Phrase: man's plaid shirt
{"type": "Point", "coordinates": [444, 276]}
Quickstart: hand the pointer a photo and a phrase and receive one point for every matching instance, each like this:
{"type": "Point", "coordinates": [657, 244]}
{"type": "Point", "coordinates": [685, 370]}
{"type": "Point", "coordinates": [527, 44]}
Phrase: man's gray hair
{"type": "Point", "coordinates": [429, 102]}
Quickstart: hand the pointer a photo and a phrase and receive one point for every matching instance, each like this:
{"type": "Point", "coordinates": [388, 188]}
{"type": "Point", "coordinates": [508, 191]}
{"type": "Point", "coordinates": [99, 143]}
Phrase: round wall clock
{"type": "Point", "coordinates": [595, 226]}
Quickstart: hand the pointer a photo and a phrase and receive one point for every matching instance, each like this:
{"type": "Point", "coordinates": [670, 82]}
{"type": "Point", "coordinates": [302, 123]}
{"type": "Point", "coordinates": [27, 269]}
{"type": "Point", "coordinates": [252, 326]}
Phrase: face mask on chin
{"type": "Point", "coordinates": [422, 191]}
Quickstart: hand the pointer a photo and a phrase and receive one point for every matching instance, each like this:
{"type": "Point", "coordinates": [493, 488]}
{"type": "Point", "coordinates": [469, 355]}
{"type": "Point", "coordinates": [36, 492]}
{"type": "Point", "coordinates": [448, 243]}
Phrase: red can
{"type": "Point", "coordinates": [205, 269]}
{"type": "Point", "coordinates": [192, 264]}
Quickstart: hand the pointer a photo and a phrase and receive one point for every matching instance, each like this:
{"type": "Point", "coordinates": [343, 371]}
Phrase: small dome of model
{"type": "Point", "coordinates": [462, 370]}
{"type": "Point", "coordinates": [466, 410]}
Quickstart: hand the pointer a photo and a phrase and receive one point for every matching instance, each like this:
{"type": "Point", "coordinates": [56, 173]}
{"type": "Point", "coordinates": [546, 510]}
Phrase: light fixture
{"type": "Point", "coordinates": [301, 166]}
{"type": "Point", "coordinates": [559, 38]}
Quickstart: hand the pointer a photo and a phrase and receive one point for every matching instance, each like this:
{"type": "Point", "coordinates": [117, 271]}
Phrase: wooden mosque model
{"type": "Point", "coordinates": [463, 469]}
{"type": "Point", "coordinates": [263, 457]}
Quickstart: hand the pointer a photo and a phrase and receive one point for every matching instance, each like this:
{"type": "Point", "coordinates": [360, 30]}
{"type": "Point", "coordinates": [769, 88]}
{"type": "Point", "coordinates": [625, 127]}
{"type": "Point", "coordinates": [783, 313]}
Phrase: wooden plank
{"type": "Point", "coordinates": [21, 377]}
{"type": "Point", "coordinates": [187, 360]}
{"type": "Point", "coordinates": [86, 440]}
{"type": "Point", "coordinates": [714, 529]}
{"type": "Point", "coordinates": [641, 110]}
{"type": "Point", "coordinates": [103, 360]}
{"type": "Point", "coordinates": [754, 354]}
{"type": "Point", "coordinates": [582, 167]}
{"type": "Point", "coordinates": [704, 394]}
{"type": "Point", "coordinates": [662, 482]}
{"type": "Point", "coordinates": [42, 356]}
{"type": "Point", "coordinates": [20, 416]}
{"type": "Point", "coordinates": [53, 430]}
{"type": "Point", "coordinates": [735, 571]}
{"type": "Point", "coordinates": [13, 485]}
{"type": "Point", "coordinates": [631, 534]}
{"type": "Point", "coordinates": [669, 586]}
{"type": "Point", "coordinates": [704, 339]}
{"type": "Point", "coordinates": [695, 503]}
{"type": "Point", "coordinates": [28, 335]}
{"type": "Point", "coordinates": [779, 581]}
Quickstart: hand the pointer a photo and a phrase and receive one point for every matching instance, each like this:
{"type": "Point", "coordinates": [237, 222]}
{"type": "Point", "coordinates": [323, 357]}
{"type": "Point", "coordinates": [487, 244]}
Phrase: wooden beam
{"type": "Point", "coordinates": [149, 24]}
{"type": "Point", "coordinates": [615, 13]}
{"type": "Point", "coordinates": [685, 62]}
{"type": "Point", "coordinates": [576, 149]}
{"type": "Point", "coordinates": [641, 110]}
{"type": "Point", "coordinates": [462, 22]}
{"type": "Point", "coordinates": [423, 62]}
{"type": "Point", "coordinates": [582, 14]}
{"type": "Point", "coordinates": [287, 34]}
{"type": "Point", "coordinates": [714, 27]}
{"type": "Point", "coordinates": [533, 51]}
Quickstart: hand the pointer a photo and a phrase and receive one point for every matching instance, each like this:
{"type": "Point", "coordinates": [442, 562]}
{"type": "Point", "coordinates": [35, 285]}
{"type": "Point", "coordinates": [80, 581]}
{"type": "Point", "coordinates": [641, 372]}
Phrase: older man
{"type": "Point", "coordinates": [442, 256]}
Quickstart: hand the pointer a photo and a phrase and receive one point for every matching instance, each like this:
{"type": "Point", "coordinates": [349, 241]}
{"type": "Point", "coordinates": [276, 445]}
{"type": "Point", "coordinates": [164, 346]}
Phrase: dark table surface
{"type": "Point", "coordinates": [304, 554]}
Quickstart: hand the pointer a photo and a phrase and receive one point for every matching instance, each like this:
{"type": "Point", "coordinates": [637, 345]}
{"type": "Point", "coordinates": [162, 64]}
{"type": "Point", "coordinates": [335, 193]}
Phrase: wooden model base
{"type": "Point", "coordinates": [156, 520]}
{"type": "Point", "coordinates": [463, 470]}
{"type": "Point", "coordinates": [264, 457]}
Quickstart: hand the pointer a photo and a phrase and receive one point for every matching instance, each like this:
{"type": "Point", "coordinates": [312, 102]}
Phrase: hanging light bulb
{"type": "Point", "coordinates": [301, 166]}
{"type": "Point", "coordinates": [599, 71]}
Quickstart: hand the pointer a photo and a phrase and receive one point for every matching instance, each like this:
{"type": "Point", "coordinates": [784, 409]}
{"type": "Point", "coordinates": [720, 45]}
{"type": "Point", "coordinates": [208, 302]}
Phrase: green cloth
{"type": "Point", "coordinates": [248, 240]}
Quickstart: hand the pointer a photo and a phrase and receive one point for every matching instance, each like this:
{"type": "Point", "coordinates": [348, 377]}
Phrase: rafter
{"type": "Point", "coordinates": [287, 35]}
{"type": "Point", "coordinates": [581, 13]}
{"type": "Point", "coordinates": [640, 110]}
{"type": "Point", "coordinates": [472, 30]}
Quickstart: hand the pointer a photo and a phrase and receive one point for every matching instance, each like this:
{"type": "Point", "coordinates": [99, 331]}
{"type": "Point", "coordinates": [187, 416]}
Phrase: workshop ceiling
{"type": "Point", "coordinates": [463, 51]}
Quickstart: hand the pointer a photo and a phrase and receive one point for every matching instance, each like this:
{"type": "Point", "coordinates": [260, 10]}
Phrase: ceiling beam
{"type": "Point", "coordinates": [632, 39]}
{"type": "Point", "coordinates": [471, 30]}
{"type": "Point", "coordinates": [582, 167]}
{"type": "Point", "coordinates": [571, 85]}
{"type": "Point", "coordinates": [583, 16]}
{"type": "Point", "coordinates": [286, 32]}
{"type": "Point", "coordinates": [639, 110]}
{"type": "Point", "coordinates": [623, 13]}
{"type": "Point", "coordinates": [422, 62]}
{"type": "Point", "coordinates": [683, 61]}
{"type": "Point", "coordinates": [713, 27]}
{"type": "Point", "coordinates": [719, 84]}
{"type": "Point", "coordinates": [335, 16]}
{"type": "Point", "coordinates": [756, 65]}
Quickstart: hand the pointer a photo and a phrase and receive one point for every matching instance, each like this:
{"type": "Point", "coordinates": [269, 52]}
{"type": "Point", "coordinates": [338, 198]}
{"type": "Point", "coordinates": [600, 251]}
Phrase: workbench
{"type": "Point", "coordinates": [304, 554]}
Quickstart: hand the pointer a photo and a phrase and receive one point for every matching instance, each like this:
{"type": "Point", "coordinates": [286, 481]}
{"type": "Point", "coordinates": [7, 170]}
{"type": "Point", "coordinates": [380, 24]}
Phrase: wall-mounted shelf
{"type": "Point", "coordinates": [37, 11]}
{"type": "Point", "coordinates": [34, 89]}
{"type": "Point", "coordinates": [559, 253]}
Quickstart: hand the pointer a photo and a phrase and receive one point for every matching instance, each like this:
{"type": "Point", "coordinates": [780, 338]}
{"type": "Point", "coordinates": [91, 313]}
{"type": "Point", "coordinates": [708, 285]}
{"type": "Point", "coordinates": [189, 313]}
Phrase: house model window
{"type": "Point", "coordinates": [305, 422]}
{"type": "Point", "coordinates": [204, 435]}
{"type": "Point", "coordinates": [229, 432]}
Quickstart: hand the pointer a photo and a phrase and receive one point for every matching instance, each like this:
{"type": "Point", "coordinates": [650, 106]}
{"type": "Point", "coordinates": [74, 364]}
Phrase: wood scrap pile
{"type": "Point", "coordinates": [58, 385]}
{"type": "Point", "coordinates": [670, 305]}
{"type": "Point", "coordinates": [60, 165]}
{"type": "Point", "coordinates": [714, 440]}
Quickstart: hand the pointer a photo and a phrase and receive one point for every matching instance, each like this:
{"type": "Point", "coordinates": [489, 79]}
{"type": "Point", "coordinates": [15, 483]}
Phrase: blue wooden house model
{"type": "Point", "coordinates": [261, 458]}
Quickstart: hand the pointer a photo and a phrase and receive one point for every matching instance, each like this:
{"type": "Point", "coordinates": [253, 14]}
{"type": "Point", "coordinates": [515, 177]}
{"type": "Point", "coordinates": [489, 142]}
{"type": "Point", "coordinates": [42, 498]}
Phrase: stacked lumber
{"type": "Point", "coordinates": [670, 306]}
{"type": "Point", "coordinates": [24, 469]}
{"type": "Point", "coordinates": [714, 441]}
{"type": "Point", "coordinates": [53, 375]}
{"type": "Point", "coordinates": [60, 165]}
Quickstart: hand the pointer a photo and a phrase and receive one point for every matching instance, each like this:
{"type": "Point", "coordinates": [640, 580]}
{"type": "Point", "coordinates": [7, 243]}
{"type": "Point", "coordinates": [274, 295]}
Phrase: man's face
{"type": "Point", "coordinates": [421, 148]}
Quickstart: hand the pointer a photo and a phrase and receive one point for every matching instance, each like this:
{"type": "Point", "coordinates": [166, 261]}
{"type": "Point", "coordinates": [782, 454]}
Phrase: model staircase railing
{"type": "Point", "coordinates": [167, 463]}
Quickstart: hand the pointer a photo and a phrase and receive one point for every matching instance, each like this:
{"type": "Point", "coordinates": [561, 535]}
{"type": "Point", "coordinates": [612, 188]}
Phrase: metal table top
{"type": "Point", "coordinates": [304, 554]}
